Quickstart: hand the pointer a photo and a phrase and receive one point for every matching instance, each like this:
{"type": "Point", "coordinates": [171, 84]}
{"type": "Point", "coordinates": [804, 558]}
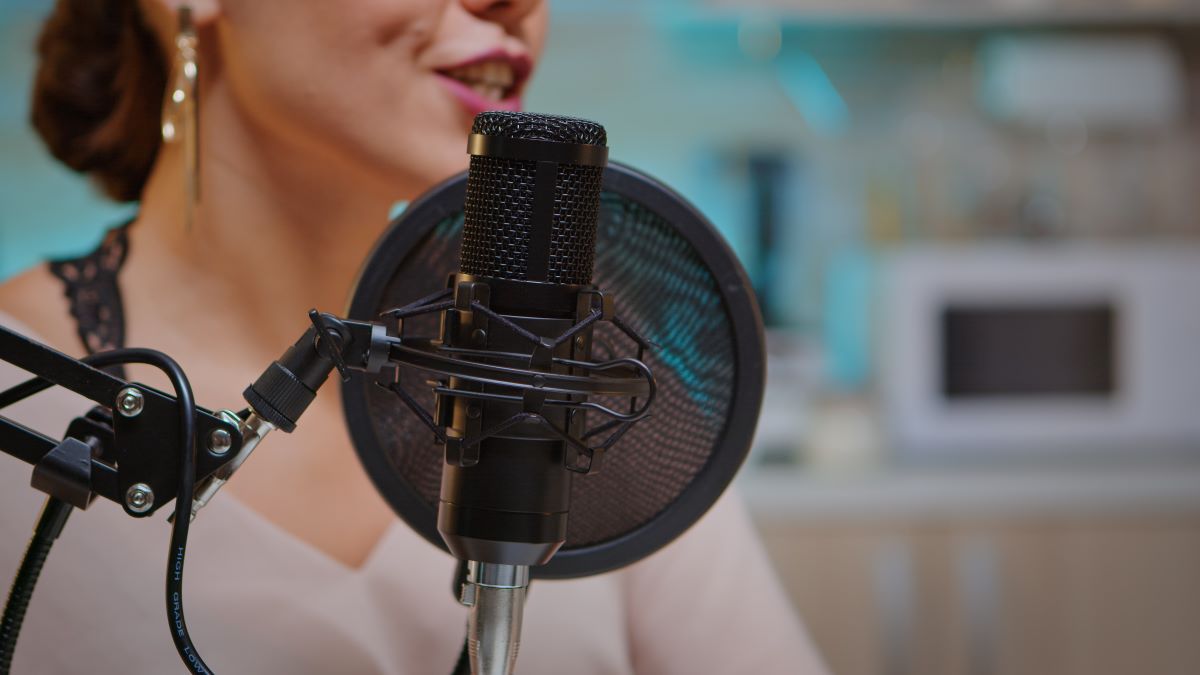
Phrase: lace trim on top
{"type": "Point", "coordinates": [93, 292]}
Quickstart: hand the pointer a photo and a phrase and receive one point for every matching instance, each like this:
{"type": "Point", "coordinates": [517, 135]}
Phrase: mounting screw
{"type": "Point", "coordinates": [473, 412]}
{"type": "Point", "coordinates": [479, 335]}
{"type": "Point", "coordinates": [219, 442]}
{"type": "Point", "coordinates": [130, 402]}
{"type": "Point", "coordinates": [139, 498]}
{"type": "Point", "coordinates": [580, 342]}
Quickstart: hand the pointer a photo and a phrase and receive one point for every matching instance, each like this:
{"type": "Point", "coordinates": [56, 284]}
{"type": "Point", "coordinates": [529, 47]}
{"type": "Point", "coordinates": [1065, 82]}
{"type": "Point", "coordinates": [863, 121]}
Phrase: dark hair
{"type": "Point", "coordinates": [98, 92]}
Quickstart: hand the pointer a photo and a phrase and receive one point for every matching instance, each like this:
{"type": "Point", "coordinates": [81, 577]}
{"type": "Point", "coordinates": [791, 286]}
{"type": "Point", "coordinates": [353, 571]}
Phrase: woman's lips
{"type": "Point", "coordinates": [473, 101]}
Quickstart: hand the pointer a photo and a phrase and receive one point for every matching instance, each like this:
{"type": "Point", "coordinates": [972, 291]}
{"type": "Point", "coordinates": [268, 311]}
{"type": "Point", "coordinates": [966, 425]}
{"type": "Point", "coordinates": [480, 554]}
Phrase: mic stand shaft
{"type": "Point", "coordinates": [495, 595]}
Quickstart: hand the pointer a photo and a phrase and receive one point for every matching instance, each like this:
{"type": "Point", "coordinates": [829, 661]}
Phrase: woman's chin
{"type": "Point", "coordinates": [405, 174]}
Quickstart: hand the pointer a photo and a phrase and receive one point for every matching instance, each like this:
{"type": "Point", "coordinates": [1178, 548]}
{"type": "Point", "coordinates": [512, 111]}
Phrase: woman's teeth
{"type": "Point", "coordinates": [490, 79]}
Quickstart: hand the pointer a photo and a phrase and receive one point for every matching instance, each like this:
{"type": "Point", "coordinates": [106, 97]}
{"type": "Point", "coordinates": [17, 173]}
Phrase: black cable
{"type": "Point", "coordinates": [183, 500]}
{"type": "Point", "coordinates": [183, 504]}
{"type": "Point", "coordinates": [49, 526]}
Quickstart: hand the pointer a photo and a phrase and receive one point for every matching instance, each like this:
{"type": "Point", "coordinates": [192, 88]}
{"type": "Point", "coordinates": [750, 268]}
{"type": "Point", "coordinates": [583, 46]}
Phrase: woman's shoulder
{"type": "Point", "coordinates": [33, 302]}
{"type": "Point", "coordinates": [715, 581]}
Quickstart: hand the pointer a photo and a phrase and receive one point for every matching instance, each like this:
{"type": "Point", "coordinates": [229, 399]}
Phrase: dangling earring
{"type": "Point", "coordinates": [180, 109]}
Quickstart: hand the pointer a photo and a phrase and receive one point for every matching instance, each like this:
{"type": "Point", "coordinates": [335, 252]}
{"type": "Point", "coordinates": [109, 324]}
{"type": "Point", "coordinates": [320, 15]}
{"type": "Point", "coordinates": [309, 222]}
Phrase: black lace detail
{"type": "Point", "coordinates": [93, 292]}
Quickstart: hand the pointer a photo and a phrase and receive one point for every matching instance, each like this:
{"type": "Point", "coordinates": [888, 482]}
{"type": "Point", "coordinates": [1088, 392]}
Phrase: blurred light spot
{"type": "Point", "coordinates": [397, 210]}
{"type": "Point", "coordinates": [1067, 133]}
{"type": "Point", "coordinates": [809, 88]}
{"type": "Point", "coordinates": [760, 37]}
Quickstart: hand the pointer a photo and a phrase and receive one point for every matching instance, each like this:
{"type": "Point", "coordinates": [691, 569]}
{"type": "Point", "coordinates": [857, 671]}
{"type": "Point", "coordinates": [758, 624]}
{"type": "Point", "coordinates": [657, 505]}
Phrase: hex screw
{"type": "Point", "coordinates": [130, 402]}
{"type": "Point", "coordinates": [139, 498]}
{"type": "Point", "coordinates": [219, 442]}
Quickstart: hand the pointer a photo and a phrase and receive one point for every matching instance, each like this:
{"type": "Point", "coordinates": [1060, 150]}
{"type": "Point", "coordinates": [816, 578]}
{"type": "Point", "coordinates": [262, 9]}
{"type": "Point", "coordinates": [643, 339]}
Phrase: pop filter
{"type": "Point", "coordinates": [676, 283]}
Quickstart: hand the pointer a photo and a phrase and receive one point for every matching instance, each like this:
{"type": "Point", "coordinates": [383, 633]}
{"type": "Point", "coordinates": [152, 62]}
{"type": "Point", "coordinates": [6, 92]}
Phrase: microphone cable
{"type": "Point", "coordinates": [50, 524]}
{"type": "Point", "coordinates": [53, 514]}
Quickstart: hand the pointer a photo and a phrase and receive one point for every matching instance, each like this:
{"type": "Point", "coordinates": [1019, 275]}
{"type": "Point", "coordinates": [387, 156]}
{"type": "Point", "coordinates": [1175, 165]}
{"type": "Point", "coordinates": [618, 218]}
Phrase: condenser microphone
{"type": "Point", "coordinates": [521, 297]}
{"type": "Point", "coordinates": [529, 239]}
{"type": "Point", "coordinates": [578, 381]}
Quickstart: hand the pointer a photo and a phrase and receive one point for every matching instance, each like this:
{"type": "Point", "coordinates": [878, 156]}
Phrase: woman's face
{"type": "Point", "coordinates": [389, 86]}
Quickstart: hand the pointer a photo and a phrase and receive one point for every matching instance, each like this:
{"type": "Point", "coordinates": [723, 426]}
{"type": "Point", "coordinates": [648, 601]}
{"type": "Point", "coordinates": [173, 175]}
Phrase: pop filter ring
{"type": "Point", "coordinates": [447, 200]}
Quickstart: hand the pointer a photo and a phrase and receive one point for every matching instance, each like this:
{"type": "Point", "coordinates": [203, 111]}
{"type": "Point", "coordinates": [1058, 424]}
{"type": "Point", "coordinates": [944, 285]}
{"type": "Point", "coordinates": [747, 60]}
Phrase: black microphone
{"type": "Point", "coordinates": [529, 238]}
{"type": "Point", "coordinates": [528, 376]}
{"type": "Point", "coordinates": [522, 298]}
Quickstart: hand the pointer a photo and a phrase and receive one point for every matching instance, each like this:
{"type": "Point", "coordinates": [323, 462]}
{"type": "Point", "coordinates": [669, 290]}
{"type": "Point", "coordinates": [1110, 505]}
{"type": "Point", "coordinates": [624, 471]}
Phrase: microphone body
{"type": "Point", "coordinates": [507, 500]}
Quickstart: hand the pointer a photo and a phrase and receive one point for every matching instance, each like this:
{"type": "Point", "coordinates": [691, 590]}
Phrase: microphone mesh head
{"type": "Point", "coordinates": [500, 206]}
{"type": "Point", "coordinates": [539, 127]}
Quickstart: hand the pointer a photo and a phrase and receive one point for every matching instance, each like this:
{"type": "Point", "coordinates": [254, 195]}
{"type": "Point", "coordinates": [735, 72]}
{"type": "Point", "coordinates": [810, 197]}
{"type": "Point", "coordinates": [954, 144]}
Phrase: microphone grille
{"type": "Point", "coordinates": [539, 127]}
{"type": "Point", "coordinates": [502, 236]}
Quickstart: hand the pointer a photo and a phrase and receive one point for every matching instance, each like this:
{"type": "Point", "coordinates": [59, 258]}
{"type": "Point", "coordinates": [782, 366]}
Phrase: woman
{"type": "Point", "coordinates": [315, 117]}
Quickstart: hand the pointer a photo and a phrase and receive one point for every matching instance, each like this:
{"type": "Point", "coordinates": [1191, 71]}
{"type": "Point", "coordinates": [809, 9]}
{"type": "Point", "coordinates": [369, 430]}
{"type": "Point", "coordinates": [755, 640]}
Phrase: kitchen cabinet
{"type": "Point", "coordinates": [1056, 590]}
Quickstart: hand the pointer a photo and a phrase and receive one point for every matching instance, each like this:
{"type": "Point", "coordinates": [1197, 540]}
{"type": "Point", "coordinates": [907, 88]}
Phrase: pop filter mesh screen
{"type": "Point", "coordinates": [664, 291]}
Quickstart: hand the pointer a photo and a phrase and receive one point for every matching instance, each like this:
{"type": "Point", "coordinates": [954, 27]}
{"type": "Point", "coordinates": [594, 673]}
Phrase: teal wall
{"type": "Point", "coordinates": [617, 62]}
{"type": "Point", "coordinates": [45, 210]}
{"type": "Point", "coordinates": [877, 129]}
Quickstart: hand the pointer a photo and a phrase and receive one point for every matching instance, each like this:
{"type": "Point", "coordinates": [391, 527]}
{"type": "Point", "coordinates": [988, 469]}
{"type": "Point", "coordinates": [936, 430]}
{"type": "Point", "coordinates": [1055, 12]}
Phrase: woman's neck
{"type": "Point", "coordinates": [276, 232]}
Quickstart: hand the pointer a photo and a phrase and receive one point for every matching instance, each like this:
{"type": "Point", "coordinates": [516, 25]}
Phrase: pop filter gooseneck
{"type": "Point", "coordinates": [677, 284]}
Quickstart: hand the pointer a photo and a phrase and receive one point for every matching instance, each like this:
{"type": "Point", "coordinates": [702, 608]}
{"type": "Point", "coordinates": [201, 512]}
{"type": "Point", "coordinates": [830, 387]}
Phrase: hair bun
{"type": "Point", "coordinates": [98, 92]}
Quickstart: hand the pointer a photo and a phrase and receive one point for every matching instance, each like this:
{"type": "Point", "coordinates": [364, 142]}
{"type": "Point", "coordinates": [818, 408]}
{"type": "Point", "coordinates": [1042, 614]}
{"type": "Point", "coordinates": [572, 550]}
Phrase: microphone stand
{"type": "Point", "coordinates": [115, 450]}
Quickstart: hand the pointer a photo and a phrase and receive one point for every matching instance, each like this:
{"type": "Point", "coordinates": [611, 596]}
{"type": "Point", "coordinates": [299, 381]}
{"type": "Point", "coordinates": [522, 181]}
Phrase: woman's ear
{"type": "Point", "coordinates": [162, 17]}
{"type": "Point", "coordinates": [203, 11]}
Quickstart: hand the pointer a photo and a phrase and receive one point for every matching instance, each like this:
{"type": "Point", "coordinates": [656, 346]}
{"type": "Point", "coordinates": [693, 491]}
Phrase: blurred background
{"type": "Point", "coordinates": [974, 228]}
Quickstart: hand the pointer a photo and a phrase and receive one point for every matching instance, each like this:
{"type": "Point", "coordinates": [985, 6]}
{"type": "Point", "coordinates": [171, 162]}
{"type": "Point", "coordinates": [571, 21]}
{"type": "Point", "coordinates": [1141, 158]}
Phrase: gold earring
{"type": "Point", "coordinates": [180, 110]}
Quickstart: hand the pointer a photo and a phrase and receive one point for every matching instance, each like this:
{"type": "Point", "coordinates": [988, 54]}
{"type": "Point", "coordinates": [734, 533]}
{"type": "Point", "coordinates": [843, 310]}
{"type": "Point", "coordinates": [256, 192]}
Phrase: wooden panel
{"type": "Point", "coordinates": [1034, 620]}
{"type": "Point", "coordinates": [829, 576]}
{"type": "Point", "coordinates": [1029, 598]}
{"type": "Point", "coordinates": [1133, 594]}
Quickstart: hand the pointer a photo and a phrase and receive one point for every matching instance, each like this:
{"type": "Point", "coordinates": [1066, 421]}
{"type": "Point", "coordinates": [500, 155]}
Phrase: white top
{"type": "Point", "coordinates": [260, 600]}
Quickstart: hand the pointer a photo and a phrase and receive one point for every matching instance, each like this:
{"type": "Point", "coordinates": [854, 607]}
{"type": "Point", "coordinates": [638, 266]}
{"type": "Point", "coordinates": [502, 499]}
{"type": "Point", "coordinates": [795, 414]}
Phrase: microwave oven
{"type": "Point", "coordinates": [1041, 349]}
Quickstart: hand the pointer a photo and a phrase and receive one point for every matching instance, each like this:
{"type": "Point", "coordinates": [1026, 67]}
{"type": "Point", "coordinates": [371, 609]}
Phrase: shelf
{"type": "Point", "coordinates": [981, 14]}
{"type": "Point", "coordinates": [890, 14]}
{"type": "Point", "coordinates": [973, 494]}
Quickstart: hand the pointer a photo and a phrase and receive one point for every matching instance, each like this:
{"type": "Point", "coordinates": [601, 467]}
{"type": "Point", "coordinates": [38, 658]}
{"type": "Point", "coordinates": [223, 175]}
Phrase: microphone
{"type": "Point", "coordinates": [524, 282]}
{"type": "Point", "coordinates": [520, 377]}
